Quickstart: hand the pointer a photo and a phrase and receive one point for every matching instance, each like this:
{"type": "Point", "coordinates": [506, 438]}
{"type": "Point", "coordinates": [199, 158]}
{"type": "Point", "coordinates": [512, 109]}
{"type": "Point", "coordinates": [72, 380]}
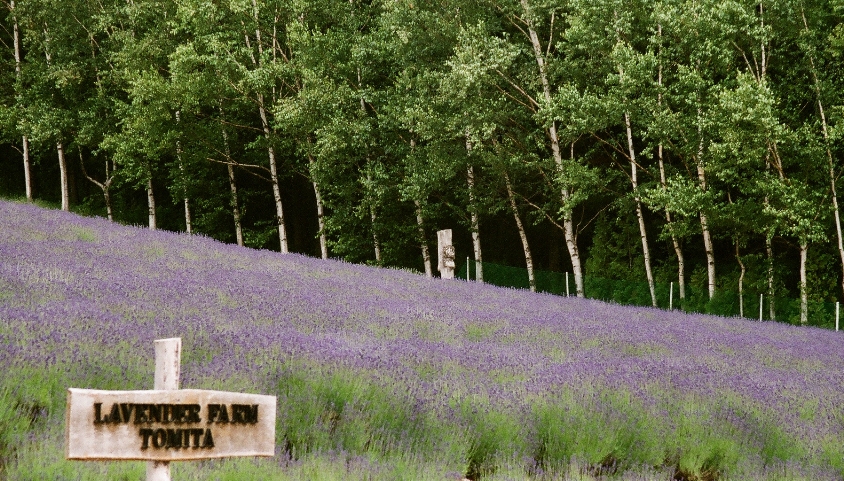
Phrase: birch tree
{"type": "Point", "coordinates": [820, 93]}
{"type": "Point", "coordinates": [18, 54]}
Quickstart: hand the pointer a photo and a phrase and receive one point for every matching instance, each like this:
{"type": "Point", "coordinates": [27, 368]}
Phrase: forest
{"type": "Point", "coordinates": [697, 142]}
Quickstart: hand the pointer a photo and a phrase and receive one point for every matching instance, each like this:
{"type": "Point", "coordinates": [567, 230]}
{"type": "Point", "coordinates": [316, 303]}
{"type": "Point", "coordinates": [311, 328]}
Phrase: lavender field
{"type": "Point", "coordinates": [385, 374]}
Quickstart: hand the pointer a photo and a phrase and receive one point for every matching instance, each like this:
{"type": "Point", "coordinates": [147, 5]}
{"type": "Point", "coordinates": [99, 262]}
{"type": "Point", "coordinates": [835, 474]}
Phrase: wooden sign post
{"type": "Point", "coordinates": [168, 424]}
{"type": "Point", "coordinates": [445, 248]}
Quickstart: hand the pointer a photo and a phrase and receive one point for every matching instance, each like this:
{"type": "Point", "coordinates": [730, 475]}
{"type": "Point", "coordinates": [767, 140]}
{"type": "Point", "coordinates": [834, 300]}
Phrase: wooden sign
{"type": "Point", "coordinates": [168, 425]}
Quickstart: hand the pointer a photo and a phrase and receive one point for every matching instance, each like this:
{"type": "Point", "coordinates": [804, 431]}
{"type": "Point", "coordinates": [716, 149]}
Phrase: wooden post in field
{"type": "Point", "coordinates": [837, 304]}
{"type": "Point", "coordinates": [567, 284]}
{"type": "Point", "coordinates": [445, 262]}
{"type": "Point", "coordinates": [760, 306]}
{"type": "Point", "coordinates": [168, 365]}
{"type": "Point", "coordinates": [467, 269]}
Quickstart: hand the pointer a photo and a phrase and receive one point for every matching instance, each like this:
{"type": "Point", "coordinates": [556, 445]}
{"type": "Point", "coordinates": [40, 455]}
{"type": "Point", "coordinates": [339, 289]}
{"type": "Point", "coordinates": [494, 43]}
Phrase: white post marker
{"type": "Point", "coordinates": [760, 307]}
{"type": "Point", "coordinates": [467, 269]}
{"type": "Point", "coordinates": [167, 424]}
{"type": "Point", "coordinates": [168, 369]}
{"type": "Point", "coordinates": [445, 261]}
{"type": "Point", "coordinates": [836, 315]}
{"type": "Point", "coordinates": [671, 296]}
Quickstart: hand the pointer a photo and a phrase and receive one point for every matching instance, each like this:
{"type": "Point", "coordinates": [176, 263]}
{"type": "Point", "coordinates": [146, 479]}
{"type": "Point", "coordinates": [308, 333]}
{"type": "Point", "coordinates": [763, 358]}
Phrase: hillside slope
{"type": "Point", "coordinates": [82, 299]}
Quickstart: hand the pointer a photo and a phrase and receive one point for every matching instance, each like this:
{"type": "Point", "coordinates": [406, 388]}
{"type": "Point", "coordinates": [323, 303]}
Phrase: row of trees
{"type": "Point", "coordinates": [710, 126]}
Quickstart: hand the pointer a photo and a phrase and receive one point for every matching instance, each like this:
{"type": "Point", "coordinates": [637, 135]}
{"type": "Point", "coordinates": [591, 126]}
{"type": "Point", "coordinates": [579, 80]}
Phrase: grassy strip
{"type": "Point", "coordinates": [336, 424]}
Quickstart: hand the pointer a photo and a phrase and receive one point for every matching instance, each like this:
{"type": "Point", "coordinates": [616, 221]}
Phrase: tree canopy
{"type": "Point", "coordinates": [697, 142]}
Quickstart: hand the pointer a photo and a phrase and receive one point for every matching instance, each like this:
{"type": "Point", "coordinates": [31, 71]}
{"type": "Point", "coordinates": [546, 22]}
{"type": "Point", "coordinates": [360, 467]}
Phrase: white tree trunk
{"type": "Point", "coordinates": [769, 249]}
{"type": "Point", "coordinates": [829, 157]}
{"type": "Point", "coordinates": [740, 281]}
{"type": "Point", "coordinates": [63, 175]}
{"type": "Point", "coordinates": [804, 291]}
{"type": "Point", "coordinates": [574, 253]}
{"type": "Point", "coordinates": [710, 254]}
{"type": "Point", "coordinates": [151, 203]}
{"type": "Point", "coordinates": [420, 223]}
{"type": "Point", "coordinates": [522, 234]}
{"type": "Point", "coordinates": [238, 229]}
{"type": "Point", "coordinates": [262, 112]}
{"type": "Point", "coordinates": [704, 222]}
{"type": "Point", "coordinates": [639, 214]}
{"type": "Point", "coordinates": [27, 169]}
{"type": "Point", "coordinates": [835, 209]}
{"type": "Point", "coordinates": [279, 211]}
{"type": "Point", "coordinates": [107, 196]}
{"type": "Point", "coordinates": [188, 220]}
{"type": "Point", "coordinates": [426, 255]}
{"type": "Point", "coordinates": [323, 241]}
{"type": "Point", "coordinates": [106, 191]}
{"type": "Point", "coordinates": [568, 226]}
{"type": "Point", "coordinates": [373, 217]}
{"type": "Point", "coordinates": [678, 249]}
{"type": "Point", "coordinates": [476, 228]}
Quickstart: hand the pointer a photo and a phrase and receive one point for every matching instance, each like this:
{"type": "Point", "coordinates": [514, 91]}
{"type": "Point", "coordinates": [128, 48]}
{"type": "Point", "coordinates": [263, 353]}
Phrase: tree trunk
{"type": "Point", "coordinates": [107, 197]}
{"type": "Point", "coordinates": [769, 249]}
{"type": "Point", "coordinates": [740, 282]}
{"type": "Point", "coordinates": [568, 225]}
{"type": "Point", "coordinates": [265, 126]}
{"type": "Point", "coordinates": [188, 221]}
{"type": "Point", "coordinates": [678, 249]}
{"type": "Point", "coordinates": [804, 294]}
{"type": "Point", "coordinates": [59, 145]}
{"type": "Point", "coordinates": [63, 176]}
{"type": "Point", "coordinates": [710, 254]}
{"type": "Point", "coordinates": [104, 186]}
{"type": "Point", "coordinates": [323, 242]}
{"type": "Point", "coordinates": [373, 217]}
{"type": "Point", "coordinates": [27, 169]}
{"type": "Point", "coordinates": [704, 222]}
{"type": "Point", "coordinates": [151, 203]}
{"type": "Point", "coordinates": [639, 214]}
{"type": "Point", "coordinates": [829, 157]}
{"type": "Point", "coordinates": [372, 214]}
{"type": "Point", "coordinates": [279, 211]}
{"type": "Point", "coordinates": [238, 229]}
{"type": "Point", "coordinates": [426, 255]}
{"type": "Point", "coordinates": [476, 232]}
{"type": "Point", "coordinates": [522, 234]}
{"type": "Point", "coordinates": [420, 223]}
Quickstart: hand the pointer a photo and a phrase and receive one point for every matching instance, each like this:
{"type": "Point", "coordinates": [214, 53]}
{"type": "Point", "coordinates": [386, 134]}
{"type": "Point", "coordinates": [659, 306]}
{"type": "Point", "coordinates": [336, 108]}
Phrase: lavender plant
{"type": "Point", "coordinates": [385, 374]}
